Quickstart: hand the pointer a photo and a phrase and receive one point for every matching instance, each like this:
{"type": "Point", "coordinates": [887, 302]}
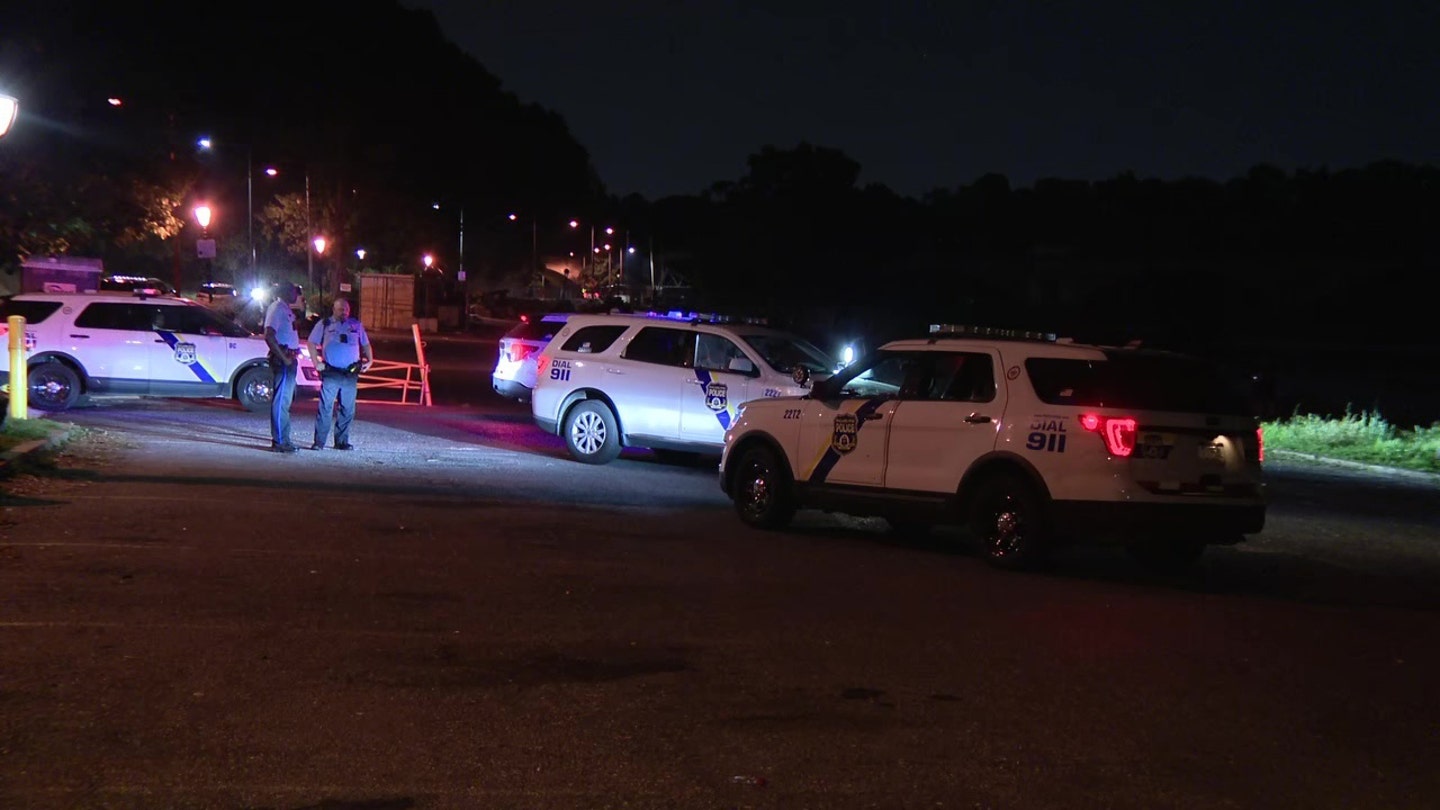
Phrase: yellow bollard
{"type": "Point", "coordinates": [19, 369]}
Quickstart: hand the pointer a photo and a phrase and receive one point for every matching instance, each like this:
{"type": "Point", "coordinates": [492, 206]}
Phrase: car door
{"type": "Point", "coordinates": [114, 340]}
{"type": "Point", "coordinates": [948, 421]}
{"type": "Point", "coordinates": [646, 382]}
{"type": "Point", "coordinates": [843, 438]}
{"type": "Point", "coordinates": [189, 352]}
{"type": "Point", "coordinates": [711, 395]}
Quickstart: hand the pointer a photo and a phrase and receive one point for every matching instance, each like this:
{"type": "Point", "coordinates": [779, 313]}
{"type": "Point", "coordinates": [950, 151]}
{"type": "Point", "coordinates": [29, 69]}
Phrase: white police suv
{"type": "Point", "coordinates": [1021, 437]}
{"type": "Point", "coordinates": [668, 382]}
{"type": "Point", "coordinates": [100, 343]}
{"type": "Point", "coordinates": [520, 347]}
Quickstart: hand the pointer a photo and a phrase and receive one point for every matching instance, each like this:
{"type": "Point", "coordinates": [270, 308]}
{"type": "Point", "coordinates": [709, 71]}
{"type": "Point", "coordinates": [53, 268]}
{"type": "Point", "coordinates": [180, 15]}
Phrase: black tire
{"type": "Point", "coordinates": [255, 389]}
{"type": "Point", "coordinates": [1011, 521]}
{"type": "Point", "coordinates": [591, 433]}
{"type": "Point", "coordinates": [762, 489]}
{"type": "Point", "coordinates": [53, 386]}
{"type": "Point", "coordinates": [1173, 555]}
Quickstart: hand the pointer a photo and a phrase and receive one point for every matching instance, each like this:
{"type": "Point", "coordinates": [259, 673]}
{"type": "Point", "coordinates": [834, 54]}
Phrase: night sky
{"type": "Point", "coordinates": [671, 96]}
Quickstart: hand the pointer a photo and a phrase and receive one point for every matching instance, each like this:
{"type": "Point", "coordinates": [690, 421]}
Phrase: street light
{"type": "Point", "coordinates": [202, 216]}
{"type": "Point", "coordinates": [208, 145]}
{"type": "Point", "coordinates": [9, 108]}
{"type": "Point", "coordinates": [320, 244]}
{"type": "Point", "coordinates": [360, 254]}
{"type": "Point", "coordinates": [428, 260]}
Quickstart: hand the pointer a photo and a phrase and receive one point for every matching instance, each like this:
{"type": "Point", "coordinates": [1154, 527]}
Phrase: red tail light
{"type": "Point", "coordinates": [1119, 432]}
{"type": "Point", "coordinates": [1260, 442]}
{"type": "Point", "coordinates": [524, 318]}
{"type": "Point", "coordinates": [519, 351]}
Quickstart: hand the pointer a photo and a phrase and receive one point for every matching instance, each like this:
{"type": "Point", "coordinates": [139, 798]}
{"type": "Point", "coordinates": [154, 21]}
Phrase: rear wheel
{"type": "Point", "coordinates": [255, 389]}
{"type": "Point", "coordinates": [591, 434]}
{"type": "Point", "coordinates": [53, 386]}
{"type": "Point", "coordinates": [1010, 519]}
{"type": "Point", "coordinates": [762, 489]}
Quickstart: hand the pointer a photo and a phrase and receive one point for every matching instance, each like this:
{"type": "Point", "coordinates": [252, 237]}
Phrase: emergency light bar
{"type": "Point", "coordinates": [953, 330]}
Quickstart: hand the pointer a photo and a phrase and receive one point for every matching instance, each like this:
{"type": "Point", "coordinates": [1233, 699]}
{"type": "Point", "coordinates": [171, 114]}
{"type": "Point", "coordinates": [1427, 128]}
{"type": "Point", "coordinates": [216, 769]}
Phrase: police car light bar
{"type": "Point", "coordinates": [704, 317]}
{"type": "Point", "coordinates": [952, 329]}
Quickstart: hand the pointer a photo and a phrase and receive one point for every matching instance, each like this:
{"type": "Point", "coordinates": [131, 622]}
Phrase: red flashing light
{"type": "Point", "coordinates": [1119, 432]}
{"type": "Point", "coordinates": [1260, 442]}
{"type": "Point", "coordinates": [524, 318]}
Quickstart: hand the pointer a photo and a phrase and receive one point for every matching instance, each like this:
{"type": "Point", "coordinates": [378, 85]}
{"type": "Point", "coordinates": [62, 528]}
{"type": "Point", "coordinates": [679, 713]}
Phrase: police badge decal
{"type": "Point", "coordinates": [716, 396]}
{"type": "Point", "coordinates": [184, 353]}
{"type": "Point", "coordinates": [843, 439]}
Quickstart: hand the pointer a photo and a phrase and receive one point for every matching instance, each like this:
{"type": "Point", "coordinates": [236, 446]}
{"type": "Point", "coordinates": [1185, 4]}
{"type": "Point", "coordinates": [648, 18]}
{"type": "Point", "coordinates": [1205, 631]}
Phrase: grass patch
{"type": "Point", "coordinates": [18, 431]}
{"type": "Point", "coordinates": [1365, 437]}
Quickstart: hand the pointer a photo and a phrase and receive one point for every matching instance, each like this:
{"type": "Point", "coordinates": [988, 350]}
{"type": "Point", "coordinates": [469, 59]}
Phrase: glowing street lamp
{"type": "Point", "coordinates": [428, 260]}
{"type": "Point", "coordinates": [202, 216]}
{"type": "Point", "coordinates": [360, 254]}
{"type": "Point", "coordinates": [320, 244]}
{"type": "Point", "coordinates": [9, 108]}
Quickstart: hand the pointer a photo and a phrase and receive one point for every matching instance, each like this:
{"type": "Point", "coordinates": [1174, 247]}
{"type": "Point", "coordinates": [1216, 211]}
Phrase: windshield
{"type": "Point", "coordinates": [785, 353]}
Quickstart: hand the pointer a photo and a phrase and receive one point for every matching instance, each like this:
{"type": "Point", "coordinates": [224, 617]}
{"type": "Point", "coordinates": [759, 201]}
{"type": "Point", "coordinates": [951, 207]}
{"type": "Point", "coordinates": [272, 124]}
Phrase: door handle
{"type": "Point", "coordinates": [81, 337]}
{"type": "Point", "coordinates": [977, 419]}
{"type": "Point", "coordinates": [870, 417]}
{"type": "Point", "coordinates": [695, 382]}
{"type": "Point", "coordinates": [613, 370]}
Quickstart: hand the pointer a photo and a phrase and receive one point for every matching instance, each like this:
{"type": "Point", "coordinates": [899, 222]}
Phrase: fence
{"type": "Point", "coordinates": [386, 375]}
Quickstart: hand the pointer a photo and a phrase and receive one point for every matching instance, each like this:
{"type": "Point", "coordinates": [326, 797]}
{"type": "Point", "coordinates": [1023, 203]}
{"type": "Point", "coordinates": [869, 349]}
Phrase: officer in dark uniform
{"type": "Point", "coordinates": [342, 352]}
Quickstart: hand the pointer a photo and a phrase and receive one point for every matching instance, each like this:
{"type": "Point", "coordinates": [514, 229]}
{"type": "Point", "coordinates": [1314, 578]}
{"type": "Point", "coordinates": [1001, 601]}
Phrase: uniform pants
{"type": "Point", "coordinates": [337, 392]}
{"type": "Point", "coordinates": [281, 396]}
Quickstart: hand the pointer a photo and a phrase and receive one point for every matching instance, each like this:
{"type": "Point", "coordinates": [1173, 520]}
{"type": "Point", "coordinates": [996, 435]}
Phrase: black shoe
{"type": "Point", "coordinates": [283, 448]}
{"type": "Point", "coordinates": [345, 446]}
{"type": "Point", "coordinates": [317, 446]}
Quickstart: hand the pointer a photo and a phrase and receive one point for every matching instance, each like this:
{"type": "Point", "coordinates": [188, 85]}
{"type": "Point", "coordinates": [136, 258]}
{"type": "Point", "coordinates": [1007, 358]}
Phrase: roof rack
{"type": "Point", "coordinates": [939, 330]}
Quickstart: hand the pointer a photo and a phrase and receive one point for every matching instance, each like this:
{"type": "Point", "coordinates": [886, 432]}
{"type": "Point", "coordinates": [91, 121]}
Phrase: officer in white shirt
{"type": "Point", "coordinates": [342, 353]}
{"type": "Point", "coordinates": [284, 343]}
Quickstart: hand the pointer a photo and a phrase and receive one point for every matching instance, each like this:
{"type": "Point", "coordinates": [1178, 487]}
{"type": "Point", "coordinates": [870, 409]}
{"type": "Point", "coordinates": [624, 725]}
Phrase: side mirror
{"type": "Point", "coordinates": [801, 376]}
{"type": "Point", "coordinates": [741, 365]}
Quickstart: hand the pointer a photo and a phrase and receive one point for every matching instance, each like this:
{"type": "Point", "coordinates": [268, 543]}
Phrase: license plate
{"type": "Point", "coordinates": [1214, 453]}
{"type": "Point", "coordinates": [1155, 446]}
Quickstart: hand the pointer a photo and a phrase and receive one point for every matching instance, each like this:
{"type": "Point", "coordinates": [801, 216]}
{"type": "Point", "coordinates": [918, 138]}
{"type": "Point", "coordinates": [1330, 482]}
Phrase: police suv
{"type": "Point", "coordinates": [1021, 437]}
{"type": "Point", "coordinates": [669, 382]}
{"type": "Point", "coordinates": [133, 343]}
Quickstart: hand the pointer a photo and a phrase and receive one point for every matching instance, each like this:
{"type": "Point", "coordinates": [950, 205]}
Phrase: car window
{"type": "Point", "coordinates": [785, 353]}
{"type": "Point", "coordinates": [718, 353]}
{"type": "Point", "coordinates": [1137, 380]}
{"type": "Point", "coordinates": [541, 330]}
{"type": "Point", "coordinates": [116, 315]}
{"type": "Point", "coordinates": [959, 377]}
{"type": "Point", "coordinates": [883, 376]}
{"type": "Point", "coordinates": [197, 321]}
{"type": "Point", "coordinates": [669, 347]}
{"type": "Point", "coordinates": [593, 339]}
{"type": "Point", "coordinates": [31, 311]}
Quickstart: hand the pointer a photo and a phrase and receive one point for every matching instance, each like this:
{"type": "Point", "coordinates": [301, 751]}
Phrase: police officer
{"type": "Point", "coordinates": [342, 352]}
{"type": "Point", "coordinates": [284, 342]}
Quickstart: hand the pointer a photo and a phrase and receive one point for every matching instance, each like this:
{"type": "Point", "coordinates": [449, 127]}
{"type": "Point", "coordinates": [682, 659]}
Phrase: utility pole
{"type": "Point", "coordinates": [309, 256]}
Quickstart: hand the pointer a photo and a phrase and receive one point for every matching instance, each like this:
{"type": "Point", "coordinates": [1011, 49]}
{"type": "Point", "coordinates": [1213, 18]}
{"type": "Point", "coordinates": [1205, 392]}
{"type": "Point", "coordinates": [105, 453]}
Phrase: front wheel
{"type": "Point", "coordinates": [591, 433]}
{"type": "Point", "coordinates": [255, 389]}
{"type": "Point", "coordinates": [53, 386]}
{"type": "Point", "coordinates": [762, 489]}
{"type": "Point", "coordinates": [1010, 520]}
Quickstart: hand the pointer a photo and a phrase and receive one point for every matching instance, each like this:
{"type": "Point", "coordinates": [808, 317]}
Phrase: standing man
{"type": "Point", "coordinates": [284, 344]}
{"type": "Point", "coordinates": [342, 353]}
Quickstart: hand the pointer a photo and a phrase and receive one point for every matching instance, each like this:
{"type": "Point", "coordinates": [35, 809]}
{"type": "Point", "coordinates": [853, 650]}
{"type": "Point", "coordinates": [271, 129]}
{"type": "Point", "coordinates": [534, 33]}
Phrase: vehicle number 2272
{"type": "Point", "coordinates": [560, 370]}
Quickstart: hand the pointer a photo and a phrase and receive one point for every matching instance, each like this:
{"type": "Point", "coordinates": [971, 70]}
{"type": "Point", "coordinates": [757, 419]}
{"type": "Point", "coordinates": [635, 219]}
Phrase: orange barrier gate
{"type": "Point", "coordinates": [385, 375]}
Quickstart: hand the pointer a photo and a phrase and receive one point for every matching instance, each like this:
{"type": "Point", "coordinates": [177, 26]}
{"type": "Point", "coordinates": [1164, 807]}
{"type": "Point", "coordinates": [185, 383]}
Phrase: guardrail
{"type": "Point", "coordinates": [385, 375]}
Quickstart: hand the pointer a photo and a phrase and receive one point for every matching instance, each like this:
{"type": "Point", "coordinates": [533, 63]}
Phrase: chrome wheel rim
{"type": "Point", "coordinates": [48, 390]}
{"type": "Point", "coordinates": [258, 390]}
{"type": "Point", "coordinates": [1006, 529]}
{"type": "Point", "coordinates": [756, 492]}
{"type": "Point", "coordinates": [588, 433]}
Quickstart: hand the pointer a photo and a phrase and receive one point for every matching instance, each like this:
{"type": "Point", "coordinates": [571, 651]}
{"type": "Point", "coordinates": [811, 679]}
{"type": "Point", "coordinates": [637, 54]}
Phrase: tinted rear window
{"type": "Point", "coordinates": [593, 339]}
{"type": "Point", "coordinates": [535, 330]}
{"type": "Point", "coordinates": [1142, 382]}
{"type": "Point", "coordinates": [31, 311]}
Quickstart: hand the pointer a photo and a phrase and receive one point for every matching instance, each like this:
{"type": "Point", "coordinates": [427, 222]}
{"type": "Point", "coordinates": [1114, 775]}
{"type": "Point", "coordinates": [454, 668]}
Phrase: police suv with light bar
{"type": "Point", "coordinates": [666, 381]}
{"type": "Point", "coordinates": [100, 343]}
{"type": "Point", "coordinates": [1023, 438]}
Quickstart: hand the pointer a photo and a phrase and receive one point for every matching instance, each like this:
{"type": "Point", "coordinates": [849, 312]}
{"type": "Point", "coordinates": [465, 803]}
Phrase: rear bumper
{"type": "Point", "coordinates": [550, 426]}
{"type": "Point", "coordinates": [1221, 522]}
{"type": "Point", "coordinates": [510, 389]}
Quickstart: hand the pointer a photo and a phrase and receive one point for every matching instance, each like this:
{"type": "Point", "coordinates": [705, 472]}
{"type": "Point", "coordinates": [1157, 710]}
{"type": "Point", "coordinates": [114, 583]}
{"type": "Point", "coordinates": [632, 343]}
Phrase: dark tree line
{"type": "Point", "coordinates": [387, 119]}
